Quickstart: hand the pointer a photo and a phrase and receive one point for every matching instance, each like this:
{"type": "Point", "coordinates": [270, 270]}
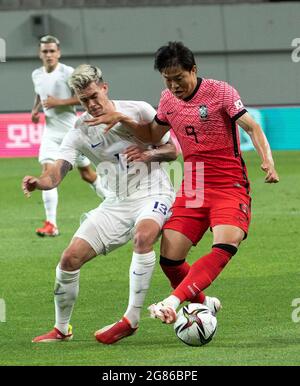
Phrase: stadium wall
{"type": "Point", "coordinates": [248, 45]}
{"type": "Point", "coordinates": [19, 137]}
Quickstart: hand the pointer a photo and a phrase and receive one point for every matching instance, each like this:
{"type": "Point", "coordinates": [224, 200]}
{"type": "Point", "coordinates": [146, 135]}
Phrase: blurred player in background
{"type": "Point", "coordinates": [55, 97]}
{"type": "Point", "coordinates": [204, 114]}
{"type": "Point", "coordinates": [138, 198]}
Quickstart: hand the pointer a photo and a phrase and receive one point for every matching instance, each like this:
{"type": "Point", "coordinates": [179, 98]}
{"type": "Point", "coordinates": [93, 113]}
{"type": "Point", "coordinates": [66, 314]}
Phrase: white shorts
{"type": "Point", "coordinates": [49, 152]}
{"type": "Point", "coordinates": [111, 225]}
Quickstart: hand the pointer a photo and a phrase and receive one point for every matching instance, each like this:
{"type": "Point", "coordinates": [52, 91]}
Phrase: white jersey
{"type": "Point", "coordinates": [119, 179]}
{"type": "Point", "coordinates": [59, 119]}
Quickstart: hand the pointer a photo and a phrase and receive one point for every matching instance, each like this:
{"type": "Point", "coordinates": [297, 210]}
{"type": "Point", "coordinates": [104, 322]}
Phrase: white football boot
{"type": "Point", "coordinates": [213, 304]}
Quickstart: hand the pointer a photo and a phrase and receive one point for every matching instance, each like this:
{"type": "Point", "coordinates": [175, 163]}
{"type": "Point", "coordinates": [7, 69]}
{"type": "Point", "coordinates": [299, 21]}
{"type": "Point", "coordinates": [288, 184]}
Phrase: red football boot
{"type": "Point", "coordinates": [48, 229]}
{"type": "Point", "coordinates": [114, 332]}
{"type": "Point", "coordinates": [54, 336]}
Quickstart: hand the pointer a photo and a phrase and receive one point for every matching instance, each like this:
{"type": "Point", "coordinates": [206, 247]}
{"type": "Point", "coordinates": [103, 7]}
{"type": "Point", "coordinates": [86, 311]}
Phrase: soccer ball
{"type": "Point", "coordinates": [195, 324]}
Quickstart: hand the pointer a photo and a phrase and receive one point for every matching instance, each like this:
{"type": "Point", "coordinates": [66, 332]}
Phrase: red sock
{"type": "Point", "coordinates": [204, 271]}
{"type": "Point", "coordinates": [176, 273]}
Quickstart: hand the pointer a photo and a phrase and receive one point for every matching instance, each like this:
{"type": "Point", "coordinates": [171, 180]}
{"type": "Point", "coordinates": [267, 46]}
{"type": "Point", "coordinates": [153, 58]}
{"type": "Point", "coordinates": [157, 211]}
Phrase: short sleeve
{"type": "Point", "coordinates": [161, 117]}
{"type": "Point", "coordinates": [69, 71]}
{"type": "Point", "coordinates": [147, 112]}
{"type": "Point", "coordinates": [164, 139]}
{"type": "Point", "coordinates": [68, 150]}
{"type": "Point", "coordinates": [232, 102]}
{"type": "Point", "coordinates": [33, 78]}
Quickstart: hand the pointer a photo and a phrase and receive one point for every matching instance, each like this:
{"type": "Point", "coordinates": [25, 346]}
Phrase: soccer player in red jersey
{"type": "Point", "coordinates": [204, 114]}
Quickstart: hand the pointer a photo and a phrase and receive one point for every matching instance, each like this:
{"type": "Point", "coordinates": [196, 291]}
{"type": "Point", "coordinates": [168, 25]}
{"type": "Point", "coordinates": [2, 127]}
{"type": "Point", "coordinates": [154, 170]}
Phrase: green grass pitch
{"type": "Point", "coordinates": [257, 288]}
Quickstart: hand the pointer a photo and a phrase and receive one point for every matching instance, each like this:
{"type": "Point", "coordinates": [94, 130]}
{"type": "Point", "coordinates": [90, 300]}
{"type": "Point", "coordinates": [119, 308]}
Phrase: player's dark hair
{"type": "Point", "coordinates": [174, 54]}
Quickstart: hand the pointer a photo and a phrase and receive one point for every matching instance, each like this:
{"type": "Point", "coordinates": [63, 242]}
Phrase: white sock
{"type": "Point", "coordinates": [50, 199]}
{"type": "Point", "coordinates": [140, 273]}
{"type": "Point", "coordinates": [65, 294]}
{"type": "Point", "coordinates": [96, 186]}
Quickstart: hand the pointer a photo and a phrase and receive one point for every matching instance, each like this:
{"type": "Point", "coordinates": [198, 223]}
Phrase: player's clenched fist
{"type": "Point", "coordinates": [271, 174]}
{"type": "Point", "coordinates": [29, 184]}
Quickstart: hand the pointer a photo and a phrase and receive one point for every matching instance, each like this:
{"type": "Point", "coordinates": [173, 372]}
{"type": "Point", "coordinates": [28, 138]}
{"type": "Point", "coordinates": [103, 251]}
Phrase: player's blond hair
{"type": "Point", "coordinates": [83, 75]}
{"type": "Point", "coordinates": [49, 39]}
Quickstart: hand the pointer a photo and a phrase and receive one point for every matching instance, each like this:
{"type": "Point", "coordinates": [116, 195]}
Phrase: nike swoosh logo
{"type": "Point", "coordinates": [139, 274]}
{"type": "Point", "coordinates": [96, 144]}
{"type": "Point", "coordinates": [170, 112]}
{"type": "Point", "coordinates": [59, 293]}
{"type": "Point", "coordinates": [194, 284]}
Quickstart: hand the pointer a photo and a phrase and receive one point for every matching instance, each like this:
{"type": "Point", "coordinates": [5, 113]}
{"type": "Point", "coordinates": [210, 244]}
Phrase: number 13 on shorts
{"type": "Point", "coordinates": [160, 207]}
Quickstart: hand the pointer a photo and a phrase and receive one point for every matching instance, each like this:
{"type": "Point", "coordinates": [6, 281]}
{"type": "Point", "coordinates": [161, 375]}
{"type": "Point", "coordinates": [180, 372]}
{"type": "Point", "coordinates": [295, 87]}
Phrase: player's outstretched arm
{"type": "Point", "coordinates": [162, 153]}
{"type": "Point", "coordinates": [48, 180]}
{"type": "Point", "coordinates": [52, 101]}
{"type": "Point", "coordinates": [261, 145]}
{"type": "Point", "coordinates": [147, 132]}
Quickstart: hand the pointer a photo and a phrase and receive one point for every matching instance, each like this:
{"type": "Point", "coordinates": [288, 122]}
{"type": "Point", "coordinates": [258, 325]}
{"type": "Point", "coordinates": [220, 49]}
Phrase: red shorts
{"type": "Point", "coordinates": [230, 206]}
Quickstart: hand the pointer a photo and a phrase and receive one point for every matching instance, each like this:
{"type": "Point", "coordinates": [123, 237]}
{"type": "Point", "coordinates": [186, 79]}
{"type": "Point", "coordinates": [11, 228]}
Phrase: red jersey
{"type": "Point", "coordinates": [206, 129]}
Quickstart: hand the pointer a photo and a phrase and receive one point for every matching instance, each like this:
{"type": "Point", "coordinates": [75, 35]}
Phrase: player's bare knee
{"type": "Point", "coordinates": [227, 234]}
{"type": "Point", "coordinates": [173, 252]}
{"type": "Point", "coordinates": [143, 240]}
{"type": "Point", "coordinates": [235, 242]}
{"type": "Point", "coordinates": [173, 255]}
{"type": "Point", "coordinates": [71, 260]}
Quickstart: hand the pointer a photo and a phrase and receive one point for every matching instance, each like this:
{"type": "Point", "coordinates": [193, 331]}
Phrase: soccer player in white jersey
{"type": "Point", "coordinates": [138, 198]}
{"type": "Point", "coordinates": [54, 95]}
